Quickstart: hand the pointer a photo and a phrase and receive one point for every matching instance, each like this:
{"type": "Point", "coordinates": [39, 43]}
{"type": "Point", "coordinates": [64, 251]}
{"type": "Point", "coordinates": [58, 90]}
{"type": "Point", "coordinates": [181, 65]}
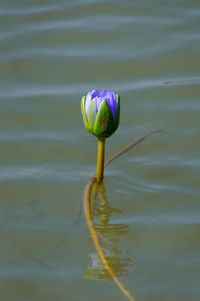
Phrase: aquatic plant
{"type": "Point", "coordinates": [101, 114]}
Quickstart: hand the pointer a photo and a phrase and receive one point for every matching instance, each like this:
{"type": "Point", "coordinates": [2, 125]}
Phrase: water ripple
{"type": "Point", "coordinates": [34, 135]}
{"type": "Point", "coordinates": [34, 90]}
{"type": "Point", "coordinates": [29, 10]}
{"type": "Point", "coordinates": [43, 172]}
{"type": "Point", "coordinates": [162, 219]}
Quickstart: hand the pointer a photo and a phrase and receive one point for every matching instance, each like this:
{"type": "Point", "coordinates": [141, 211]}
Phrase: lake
{"type": "Point", "coordinates": [52, 53]}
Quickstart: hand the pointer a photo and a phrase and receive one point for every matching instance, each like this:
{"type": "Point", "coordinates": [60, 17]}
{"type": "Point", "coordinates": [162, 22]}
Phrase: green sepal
{"type": "Point", "coordinates": [104, 123]}
{"type": "Point", "coordinates": [91, 116]}
{"type": "Point", "coordinates": [118, 111]}
{"type": "Point", "coordinates": [85, 121]}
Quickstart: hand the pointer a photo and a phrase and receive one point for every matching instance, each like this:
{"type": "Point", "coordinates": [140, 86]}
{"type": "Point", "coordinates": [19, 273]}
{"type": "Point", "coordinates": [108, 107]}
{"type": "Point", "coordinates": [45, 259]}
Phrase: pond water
{"type": "Point", "coordinates": [52, 53]}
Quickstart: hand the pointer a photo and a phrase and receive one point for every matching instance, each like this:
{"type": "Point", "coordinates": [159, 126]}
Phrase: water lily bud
{"type": "Point", "coordinates": [101, 112]}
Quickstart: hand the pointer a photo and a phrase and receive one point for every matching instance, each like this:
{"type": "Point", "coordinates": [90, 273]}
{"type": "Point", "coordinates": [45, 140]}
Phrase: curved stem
{"type": "Point", "coordinates": [100, 159]}
{"type": "Point", "coordinates": [130, 146]}
{"type": "Point", "coordinates": [97, 242]}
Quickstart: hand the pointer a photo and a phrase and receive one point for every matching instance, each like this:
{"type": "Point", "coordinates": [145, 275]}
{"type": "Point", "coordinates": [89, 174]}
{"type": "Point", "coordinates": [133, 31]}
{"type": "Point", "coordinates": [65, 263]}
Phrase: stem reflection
{"type": "Point", "coordinates": [110, 235]}
{"type": "Point", "coordinates": [108, 262]}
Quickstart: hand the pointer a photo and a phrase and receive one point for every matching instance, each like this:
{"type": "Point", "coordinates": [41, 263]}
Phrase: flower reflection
{"type": "Point", "coordinates": [109, 234]}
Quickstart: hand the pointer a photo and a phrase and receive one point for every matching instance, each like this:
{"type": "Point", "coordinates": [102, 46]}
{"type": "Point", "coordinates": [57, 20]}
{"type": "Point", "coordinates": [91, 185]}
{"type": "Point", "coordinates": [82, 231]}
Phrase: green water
{"type": "Point", "coordinates": [52, 53]}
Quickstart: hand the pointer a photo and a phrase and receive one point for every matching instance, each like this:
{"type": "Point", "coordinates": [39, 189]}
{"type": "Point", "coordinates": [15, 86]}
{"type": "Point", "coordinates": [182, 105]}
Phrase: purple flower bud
{"type": "Point", "coordinates": [101, 112]}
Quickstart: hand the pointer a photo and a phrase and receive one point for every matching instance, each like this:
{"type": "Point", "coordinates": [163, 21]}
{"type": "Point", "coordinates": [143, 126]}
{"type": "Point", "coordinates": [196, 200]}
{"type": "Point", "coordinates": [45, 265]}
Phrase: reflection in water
{"type": "Point", "coordinates": [109, 234]}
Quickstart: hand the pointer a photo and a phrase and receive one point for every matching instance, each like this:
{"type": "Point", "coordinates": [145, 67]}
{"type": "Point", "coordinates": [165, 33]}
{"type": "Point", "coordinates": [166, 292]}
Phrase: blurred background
{"type": "Point", "coordinates": [52, 53]}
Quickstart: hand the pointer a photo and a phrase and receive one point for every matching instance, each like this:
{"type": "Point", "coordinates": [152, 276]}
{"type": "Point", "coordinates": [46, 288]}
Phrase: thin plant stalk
{"type": "Point", "coordinates": [100, 159]}
{"type": "Point", "coordinates": [130, 146]}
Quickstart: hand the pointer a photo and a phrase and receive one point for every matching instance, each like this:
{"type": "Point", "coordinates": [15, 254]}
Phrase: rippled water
{"type": "Point", "coordinates": [50, 55]}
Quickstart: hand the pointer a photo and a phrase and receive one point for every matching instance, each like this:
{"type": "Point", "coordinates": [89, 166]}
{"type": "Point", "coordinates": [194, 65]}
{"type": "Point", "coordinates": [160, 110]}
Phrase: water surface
{"type": "Point", "coordinates": [51, 54]}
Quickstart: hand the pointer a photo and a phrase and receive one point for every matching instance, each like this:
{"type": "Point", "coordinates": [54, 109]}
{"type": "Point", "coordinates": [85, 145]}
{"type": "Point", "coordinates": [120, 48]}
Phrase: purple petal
{"type": "Point", "coordinates": [94, 93]}
{"type": "Point", "coordinates": [87, 102]}
{"type": "Point", "coordinates": [98, 102]}
{"type": "Point", "coordinates": [91, 94]}
{"type": "Point", "coordinates": [110, 97]}
{"type": "Point", "coordinates": [113, 107]}
{"type": "Point", "coordinates": [103, 93]}
{"type": "Point", "coordinates": [107, 94]}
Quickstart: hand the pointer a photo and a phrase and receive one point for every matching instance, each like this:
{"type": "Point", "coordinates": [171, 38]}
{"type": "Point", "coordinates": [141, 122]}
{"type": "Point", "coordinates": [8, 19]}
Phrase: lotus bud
{"type": "Point", "coordinates": [101, 112]}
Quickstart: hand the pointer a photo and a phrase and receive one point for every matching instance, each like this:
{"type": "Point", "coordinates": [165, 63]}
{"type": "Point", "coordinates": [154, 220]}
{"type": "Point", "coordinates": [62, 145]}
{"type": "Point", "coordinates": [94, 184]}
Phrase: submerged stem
{"type": "Point", "coordinates": [100, 159]}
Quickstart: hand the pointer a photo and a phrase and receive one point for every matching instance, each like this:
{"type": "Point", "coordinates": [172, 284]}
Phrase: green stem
{"type": "Point", "coordinates": [100, 159]}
